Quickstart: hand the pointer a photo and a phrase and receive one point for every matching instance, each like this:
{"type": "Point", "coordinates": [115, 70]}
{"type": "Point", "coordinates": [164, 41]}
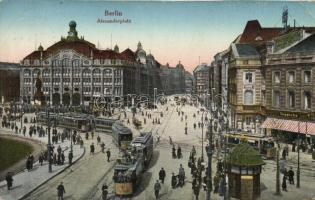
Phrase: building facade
{"type": "Point", "coordinates": [189, 83]}
{"type": "Point", "coordinates": [9, 82]}
{"type": "Point", "coordinates": [201, 76]}
{"type": "Point", "coordinates": [290, 80]}
{"type": "Point", "coordinates": [173, 79]}
{"type": "Point", "coordinates": [245, 87]}
{"type": "Point", "coordinates": [75, 72]}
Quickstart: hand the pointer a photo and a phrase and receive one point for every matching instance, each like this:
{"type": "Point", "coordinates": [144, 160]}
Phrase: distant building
{"type": "Point", "coordinates": [9, 82]}
{"type": "Point", "coordinates": [173, 79]}
{"type": "Point", "coordinates": [201, 75]}
{"type": "Point", "coordinates": [189, 83]}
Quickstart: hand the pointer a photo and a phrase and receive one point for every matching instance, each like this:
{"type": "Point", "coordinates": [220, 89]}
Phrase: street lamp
{"type": "Point", "coordinates": [209, 154]}
{"type": "Point", "coordinates": [202, 124]}
{"type": "Point", "coordinates": [298, 168]}
{"type": "Point", "coordinates": [49, 142]}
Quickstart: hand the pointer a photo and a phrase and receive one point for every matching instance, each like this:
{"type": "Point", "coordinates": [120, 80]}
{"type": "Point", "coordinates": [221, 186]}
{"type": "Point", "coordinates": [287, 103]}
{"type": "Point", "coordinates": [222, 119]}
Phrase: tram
{"type": "Point", "coordinates": [129, 168]}
{"type": "Point", "coordinates": [122, 135]}
{"type": "Point", "coordinates": [265, 145]}
{"type": "Point", "coordinates": [144, 145]}
{"type": "Point", "coordinates": [80, 122]}
{"type": "Point", "coordinates": [103, 125]}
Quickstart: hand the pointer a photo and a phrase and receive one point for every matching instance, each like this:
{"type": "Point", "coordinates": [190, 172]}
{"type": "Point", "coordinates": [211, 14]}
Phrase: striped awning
{"type": "Point", "coordinates": [307, 128]}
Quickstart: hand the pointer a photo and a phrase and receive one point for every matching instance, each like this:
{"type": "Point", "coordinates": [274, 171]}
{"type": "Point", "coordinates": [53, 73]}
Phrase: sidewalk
{"type": "Point", "coordinates": [24, 182]}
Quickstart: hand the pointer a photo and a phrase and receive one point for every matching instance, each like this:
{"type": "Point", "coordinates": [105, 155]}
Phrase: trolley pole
{"type": "Point", "coordinates": [209, 172]}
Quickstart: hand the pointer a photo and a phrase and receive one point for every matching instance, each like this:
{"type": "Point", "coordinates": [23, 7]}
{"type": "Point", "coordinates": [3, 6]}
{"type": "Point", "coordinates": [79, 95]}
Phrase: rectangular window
{"type": "Point", "coordinates": [307, 76]}
{"type": "Point", "coordinates": [276, 98]}
{"type": "Point", "coordinates": [307, 100]}
{"type": "Point", "coordinates": [291, 99]}
{"type": "Point", "coordinates": [276, 77]}
{"type": "Point", "coordinates": [249, 78]}
{"type": "Point", "coordinates": [247, 120]}
{"type": "Point", "coordinates": [291, 76]}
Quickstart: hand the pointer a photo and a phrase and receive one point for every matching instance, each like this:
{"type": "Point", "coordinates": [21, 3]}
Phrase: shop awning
{"type": "Point", "coordinates": [307, 128]}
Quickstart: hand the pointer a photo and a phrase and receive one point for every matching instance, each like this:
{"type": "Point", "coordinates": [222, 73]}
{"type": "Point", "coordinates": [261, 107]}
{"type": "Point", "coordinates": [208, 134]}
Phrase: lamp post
{"type": "Point", "coordinates": [209, 154]}
{"type": "Point", "coordinates": [298, 167]}
{"type": "Point", "coordinates": [49, 142]}
{"type": "Point", "coordinates": [202, 125]}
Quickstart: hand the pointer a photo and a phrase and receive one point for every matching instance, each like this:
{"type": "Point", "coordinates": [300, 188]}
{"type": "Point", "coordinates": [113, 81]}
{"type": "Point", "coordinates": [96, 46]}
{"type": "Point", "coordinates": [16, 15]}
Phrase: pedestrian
{"type": "Point", "coordinates": [28, 163]}
{"type": "Point", "coordinates": [92, 134]}
{"type": "Point", "coordinates": [70, 157]}
{"type": "Point", "coordinates": [9, 180]}
{"type": "Point", "coordinates": [157, 188]}
{"type": "Point", "coordinates": [196, 191]}
{"type": "Point", "coordinates": [98, 139]}
{"type": "Point", "coordinates": [284, 183]}
{"type": "Point", "coordinates": [174, 180]}
{"type": "Point", "coordinates": [284, 154]}
{"type": "Point", "coordinates": [31, 161]}
{"type": "Point", "coordinates": [62, 158]}
{"type": "Point", "coordinates": [179, 152]}
{"type": "Point", "coordinates": [87, 135]}
{"type": "Point", "coordinates": [103, 147]}
{"type": "Point", "coordinates": [174, 152]}
{"type": "Point", "coordinates": [162, 175]}
{"type": "Point", "coordinates": [104, 191]}
{"type": "Point", "coordinates": [291, 176]}
{"type": "Point", "coordinates": [41, 159]}
{"type": "Point", "coordinates": [181, 175]}
{"type": "Point", "coordinates": [61, 190]}
{"type": "Point", "coordinates": [92, 148]}
{"type": "Point", "coordinates": [108, 155]}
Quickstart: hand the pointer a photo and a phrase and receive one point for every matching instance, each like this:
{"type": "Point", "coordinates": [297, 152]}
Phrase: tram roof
{"type": "Point", "coordinates": [143, 138]}
{"type": "Point", "coordinates": [118, 126]}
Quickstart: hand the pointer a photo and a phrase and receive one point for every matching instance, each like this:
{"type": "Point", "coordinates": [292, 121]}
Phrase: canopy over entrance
{"type": "Point", "coordinates": [307, 128]}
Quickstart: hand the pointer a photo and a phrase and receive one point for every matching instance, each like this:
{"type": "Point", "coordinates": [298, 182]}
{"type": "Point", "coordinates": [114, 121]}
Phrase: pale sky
{"type": "Point", "coordinates": [171, 31]}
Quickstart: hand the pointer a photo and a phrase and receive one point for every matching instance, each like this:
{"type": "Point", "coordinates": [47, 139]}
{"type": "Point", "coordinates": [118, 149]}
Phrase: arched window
{"type": "Point", "coordinates": [35, 72]}
{"type": "Point", "coordinates": [248, 97]}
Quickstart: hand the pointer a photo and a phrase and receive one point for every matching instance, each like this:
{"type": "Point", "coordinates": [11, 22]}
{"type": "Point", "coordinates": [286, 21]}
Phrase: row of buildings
{"type": "Point", "coordinates": [75, 72]}
{"type": "Point", "coordinates": [267, 76]}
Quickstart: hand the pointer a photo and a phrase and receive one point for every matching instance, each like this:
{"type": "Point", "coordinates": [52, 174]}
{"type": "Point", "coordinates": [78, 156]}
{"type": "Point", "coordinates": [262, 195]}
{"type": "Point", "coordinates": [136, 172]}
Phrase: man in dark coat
{"type": "Point", "coordinates": [70, 157]}
{"type": "Point", "coordinates": [174, 180]}
{"type": "Point", "coordinates": [284, 183]}
{"type": "Point", "coordinates": [179, 152]}
{"type": "Point", "coordinates": [61, 190]}
{"type": "Point", "coordinates": [108, 155]}
{"type": "Point", "coordinates": [157, 188]}
{"type": "Point", "coordinates": [196, 191]}
{"type": "Point", "coordinates": [9, 180]}
{"type": "Point", "coordinates": [291, 176]}
{"type": "Point", "coordinates": [92, 149]}
{"type": "Point", "coordinates": [162, 175]}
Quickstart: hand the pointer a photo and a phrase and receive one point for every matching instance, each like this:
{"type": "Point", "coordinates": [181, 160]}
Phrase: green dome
{"type": "Point", "coordinates": [244, 155]}
{"type": "Point", "coordinates": [72, 24]}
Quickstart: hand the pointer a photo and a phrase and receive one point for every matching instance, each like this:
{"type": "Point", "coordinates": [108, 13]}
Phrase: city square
{"type": "Point", "coordinates": [80, 121]}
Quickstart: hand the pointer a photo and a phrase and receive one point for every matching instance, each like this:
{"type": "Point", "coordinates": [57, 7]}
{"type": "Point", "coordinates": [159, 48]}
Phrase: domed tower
{"type": "Point", "coordinates": [40, 48]}
{"type": "Point", "coordinates": [116, 48]}
{"type": "Point", "coordinates": [72, 33]}
{"type": "Point", "coordinates": [141, 54]}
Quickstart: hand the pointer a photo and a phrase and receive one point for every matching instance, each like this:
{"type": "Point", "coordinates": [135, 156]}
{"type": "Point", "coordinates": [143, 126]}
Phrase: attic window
{"type": "Point", "coordinates": [258, 38]}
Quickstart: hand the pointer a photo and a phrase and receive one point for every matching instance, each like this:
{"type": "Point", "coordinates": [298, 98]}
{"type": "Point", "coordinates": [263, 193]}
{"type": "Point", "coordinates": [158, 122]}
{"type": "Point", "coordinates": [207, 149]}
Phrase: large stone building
{"type": "Point", "coordinates": [9, 82]}
{"type": "Point", "coordinates": [252, 63]}
{"type": "Point", "coordinates": [173, 79]}
{"type": "Point", "coordinates": [189, 83]}
{"type": "Point", "coordinates": [201, 75]}
{"type": "Point", "coordinates": [290, 80]}
{"type": "Point", "coordinates": [245, 87]}
{"type": "Point", "coordinates": [75, 72]}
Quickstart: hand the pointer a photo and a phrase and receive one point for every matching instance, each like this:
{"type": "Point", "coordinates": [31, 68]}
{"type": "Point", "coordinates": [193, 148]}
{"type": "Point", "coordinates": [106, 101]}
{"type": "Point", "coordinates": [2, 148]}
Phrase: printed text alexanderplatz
{"type": "Point", "coordinates": [115, 13]}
